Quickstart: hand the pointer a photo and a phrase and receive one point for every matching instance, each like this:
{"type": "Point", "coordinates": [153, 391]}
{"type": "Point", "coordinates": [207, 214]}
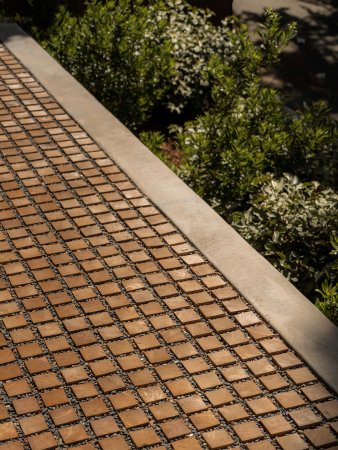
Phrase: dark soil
{"type": "Point", "coordinates": [308, 69]}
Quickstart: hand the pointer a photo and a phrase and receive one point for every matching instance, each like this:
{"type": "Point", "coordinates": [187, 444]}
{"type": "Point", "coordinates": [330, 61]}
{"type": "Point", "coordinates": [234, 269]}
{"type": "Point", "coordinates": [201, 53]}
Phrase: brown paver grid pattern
{"type": "Point", "coordinates": [115, 332]}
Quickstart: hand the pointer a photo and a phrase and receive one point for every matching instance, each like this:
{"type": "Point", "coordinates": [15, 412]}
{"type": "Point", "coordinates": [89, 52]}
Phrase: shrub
{"type": "Point", "coordinates": [227, 154]}
{"type": "Point", "coordinates": [134, 58]}
{"type": "Point", "coordinates": [328, 300]}
{"type": "Point", "coordinates": [312, 149]}
{"type": "Point", "coordinates": [154, 140]}
{"type": "Point", "coordinates": [118, 50]}
{"type": "Point", "coordinates": [290, 223]}
{"type": "Point", "coordinates": [246, 134]}
{"type": "Point", "coordinates": [194, 39]}
{"type": "Point", "coordinates": [228, 150]}
{"type": "Point", "coordinates": [328, 303]}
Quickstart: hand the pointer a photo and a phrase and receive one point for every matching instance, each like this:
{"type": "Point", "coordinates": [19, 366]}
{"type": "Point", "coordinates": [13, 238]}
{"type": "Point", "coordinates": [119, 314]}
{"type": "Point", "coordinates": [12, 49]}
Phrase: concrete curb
{"type": "Point", "coordinates": [311, 335]}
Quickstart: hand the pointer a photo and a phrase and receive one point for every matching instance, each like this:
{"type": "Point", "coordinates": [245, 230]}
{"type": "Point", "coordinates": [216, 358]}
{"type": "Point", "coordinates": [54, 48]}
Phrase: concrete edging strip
{"type": "Point", "coordinates": [309, 332]}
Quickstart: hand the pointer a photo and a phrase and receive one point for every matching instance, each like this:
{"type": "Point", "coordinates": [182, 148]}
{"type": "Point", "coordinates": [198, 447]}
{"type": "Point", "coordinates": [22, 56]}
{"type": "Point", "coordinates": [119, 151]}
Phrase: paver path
{"type": "Point", "coordinates": [115, 332]}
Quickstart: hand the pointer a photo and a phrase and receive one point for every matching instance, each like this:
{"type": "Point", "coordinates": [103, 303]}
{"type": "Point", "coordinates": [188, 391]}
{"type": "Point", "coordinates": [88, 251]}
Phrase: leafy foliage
{"type": "Point", "coordinates": [328, 301]}
{"type": "Point", "coordinates": [313, 154]}
{"type": "Point", "coordinates": [290, 223]}
{"type": "Point", "coordinates": [119, 52]}
{"type": "Point", "coordinates": [247, 133]}
{"type": "Point", "coordinates": [194, 39]}
{"type": "Point", "coordinates": [154, 141]}
{"type": "Point", "coordinates": [134, 58]}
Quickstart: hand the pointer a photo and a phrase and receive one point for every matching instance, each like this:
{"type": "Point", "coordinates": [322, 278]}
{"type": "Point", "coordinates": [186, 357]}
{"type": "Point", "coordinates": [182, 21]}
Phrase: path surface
{"type": "Point", "coordinates": [309, 68]}
{"type": "Point", "coordinates": [115, 332]}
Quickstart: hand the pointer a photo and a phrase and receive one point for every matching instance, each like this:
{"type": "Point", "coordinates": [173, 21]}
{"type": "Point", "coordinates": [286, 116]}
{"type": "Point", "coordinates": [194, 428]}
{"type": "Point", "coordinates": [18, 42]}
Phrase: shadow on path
{"type": "Point", "coordinates": [309, 67]}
